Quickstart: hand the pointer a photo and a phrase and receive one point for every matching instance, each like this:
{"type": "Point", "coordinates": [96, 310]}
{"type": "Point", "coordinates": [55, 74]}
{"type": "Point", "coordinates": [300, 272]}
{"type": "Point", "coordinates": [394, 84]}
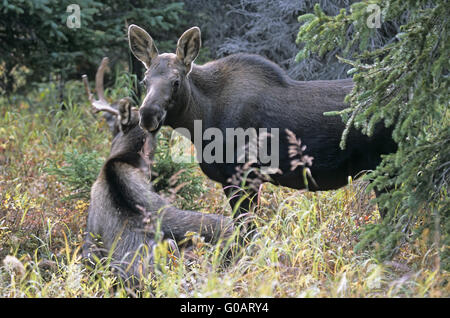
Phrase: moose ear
{"type": "Point", "coordinates": [125, 111]}
{"type": "Point", "coordinates": [142, 45]}
{"type": "Point", "coordinates": [188, 46]}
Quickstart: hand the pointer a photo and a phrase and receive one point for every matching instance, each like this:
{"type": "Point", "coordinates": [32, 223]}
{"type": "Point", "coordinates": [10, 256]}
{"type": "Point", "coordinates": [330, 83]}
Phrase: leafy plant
{"type": "Point", "coordinates": [176, 179]}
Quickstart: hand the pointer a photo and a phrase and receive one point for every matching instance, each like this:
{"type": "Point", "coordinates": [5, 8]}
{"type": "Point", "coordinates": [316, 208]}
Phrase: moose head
{"type": "Point", "coordinates": [123, 120]}
{"type": "Point", "coordinates": [167, 88]}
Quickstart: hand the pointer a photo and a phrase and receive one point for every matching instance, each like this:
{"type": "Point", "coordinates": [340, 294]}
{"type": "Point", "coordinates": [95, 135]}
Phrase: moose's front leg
{"type": "Point", "coordinates": [241, 201]}
{"type": "Point", "coordinates": [383, 211]}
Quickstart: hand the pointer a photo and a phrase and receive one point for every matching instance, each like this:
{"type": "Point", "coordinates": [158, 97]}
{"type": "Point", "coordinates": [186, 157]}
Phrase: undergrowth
{"type": "Point", "coordinates": [304, 245]}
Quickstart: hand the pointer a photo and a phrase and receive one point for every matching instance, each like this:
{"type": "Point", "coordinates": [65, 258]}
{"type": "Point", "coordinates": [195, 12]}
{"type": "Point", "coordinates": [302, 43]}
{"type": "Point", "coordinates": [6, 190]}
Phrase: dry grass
{"type": "Point", "coordinates": [303, 246]}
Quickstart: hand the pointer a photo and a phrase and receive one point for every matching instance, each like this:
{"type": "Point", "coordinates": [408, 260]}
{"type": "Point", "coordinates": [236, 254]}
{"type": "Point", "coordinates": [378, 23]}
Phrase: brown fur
{"type": "Point", "coordinates": [124, 211]}
{"type": "Point", "coordinates": [246, 91]}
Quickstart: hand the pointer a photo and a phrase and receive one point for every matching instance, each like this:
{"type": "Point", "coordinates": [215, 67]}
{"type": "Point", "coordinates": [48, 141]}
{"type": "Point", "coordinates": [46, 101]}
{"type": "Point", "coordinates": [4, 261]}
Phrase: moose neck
{"type": "Point", "coordinates": [195, 102]}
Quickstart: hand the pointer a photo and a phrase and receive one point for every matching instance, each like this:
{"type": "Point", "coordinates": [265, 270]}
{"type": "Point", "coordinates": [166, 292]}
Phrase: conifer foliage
{"type": "Point", "coordinates": [41, 38]}
{"type": "Point", "coordinates": [405, 85]}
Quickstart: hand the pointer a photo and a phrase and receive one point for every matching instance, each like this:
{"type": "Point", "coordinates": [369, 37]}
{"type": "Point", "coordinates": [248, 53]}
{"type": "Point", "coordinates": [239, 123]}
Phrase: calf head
{"type": "Point", "coordinates": [131, 138]}
{"type": "Point", "coordinates": [124, 119]}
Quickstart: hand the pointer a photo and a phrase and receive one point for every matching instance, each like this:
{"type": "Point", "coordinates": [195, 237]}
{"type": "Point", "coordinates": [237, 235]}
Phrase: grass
{"type": "Point", "coordinates": [303, 247]}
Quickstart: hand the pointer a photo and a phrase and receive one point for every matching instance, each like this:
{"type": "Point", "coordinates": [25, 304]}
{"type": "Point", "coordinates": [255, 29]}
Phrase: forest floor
{"type": "Point", "coordinates": [304, 245]}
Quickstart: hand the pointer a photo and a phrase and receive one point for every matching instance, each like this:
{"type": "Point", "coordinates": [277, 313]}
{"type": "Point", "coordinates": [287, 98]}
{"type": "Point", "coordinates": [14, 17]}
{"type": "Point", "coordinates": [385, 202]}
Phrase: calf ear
{"type": "Point", "coordinates": [125, 111]}
{"type": "Point", "coordinates": [188, 46]}
{"type": "Point", "coordinates": [142, 45]}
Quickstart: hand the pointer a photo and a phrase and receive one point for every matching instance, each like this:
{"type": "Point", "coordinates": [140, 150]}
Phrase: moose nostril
{"type": "Point", "coordinates": [149, 111]}
{"type": "Point", "coordinates": [150, 117]}
{"type": "Point", "coordinates": [144, 113]}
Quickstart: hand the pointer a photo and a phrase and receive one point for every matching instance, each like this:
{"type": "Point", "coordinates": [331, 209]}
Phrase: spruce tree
{"type": "Point", "coordinates": [38, 41]}
{"type": "Point", "coordinates": [405, 85]}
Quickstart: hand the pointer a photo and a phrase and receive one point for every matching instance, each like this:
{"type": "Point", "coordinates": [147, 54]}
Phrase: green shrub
{"type": "Point", "coordinates": [404, 85]}
{"type": "Point", "coordinates": [178, 180]}
{"type": "Point", "coordinates": [79, 171]}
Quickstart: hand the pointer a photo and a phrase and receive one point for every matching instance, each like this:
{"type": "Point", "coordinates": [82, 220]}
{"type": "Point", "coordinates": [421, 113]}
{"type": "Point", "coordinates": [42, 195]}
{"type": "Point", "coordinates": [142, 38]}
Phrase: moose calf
{"type": "Point", "coordinates": [124, 211]}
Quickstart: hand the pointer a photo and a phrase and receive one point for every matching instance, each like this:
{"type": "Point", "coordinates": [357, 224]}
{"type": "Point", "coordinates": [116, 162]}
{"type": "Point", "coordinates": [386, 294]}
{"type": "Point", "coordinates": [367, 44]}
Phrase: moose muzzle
{"type": "Point", "coordinates": [152, 117]}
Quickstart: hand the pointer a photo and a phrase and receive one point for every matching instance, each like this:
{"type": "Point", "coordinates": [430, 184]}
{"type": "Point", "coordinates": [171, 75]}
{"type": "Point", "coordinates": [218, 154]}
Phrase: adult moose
{"type": "Point", "coordinates": [249, 91]}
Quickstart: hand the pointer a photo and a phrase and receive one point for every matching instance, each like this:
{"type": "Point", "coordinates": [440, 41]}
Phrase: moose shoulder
{"type": "Point", "coordinates": [249, 91]}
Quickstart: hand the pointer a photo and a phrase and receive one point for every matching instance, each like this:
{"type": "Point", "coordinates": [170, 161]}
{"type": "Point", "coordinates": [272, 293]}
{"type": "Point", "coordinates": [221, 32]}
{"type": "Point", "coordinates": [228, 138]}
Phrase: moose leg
{"type": "Point", "coordinates": [176, 223]}
{"type": "Point", "coordinates": [383, 211]}
{"type": "Point", "coordinates": [240, 201]}
{"type": "Point", "coordinates": [135, 189]}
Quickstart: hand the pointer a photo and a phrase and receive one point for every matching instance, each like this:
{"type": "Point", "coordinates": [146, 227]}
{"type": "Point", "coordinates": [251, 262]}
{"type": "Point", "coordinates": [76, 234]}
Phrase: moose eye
{"type": "Point", "coordinates": [176, 84]}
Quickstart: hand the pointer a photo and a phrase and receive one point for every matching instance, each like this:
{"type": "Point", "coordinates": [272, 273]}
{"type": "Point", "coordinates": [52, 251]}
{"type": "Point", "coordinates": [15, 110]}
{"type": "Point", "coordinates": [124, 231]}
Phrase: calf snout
{"type": "Point", "coordinates": [151, 118]}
